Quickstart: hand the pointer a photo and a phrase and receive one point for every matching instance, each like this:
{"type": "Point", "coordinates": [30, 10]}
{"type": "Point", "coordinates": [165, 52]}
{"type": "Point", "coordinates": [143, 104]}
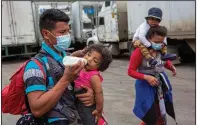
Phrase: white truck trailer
{"type": "Point", "coordinates": [83, 13]}
{"type": "Point", "coordinates": [40, 6]}
{"type": "Point", "coordinates": [111, 28]}
{"type": "Point", "coordinates": [118, 20]}
{"type": "Point", "coordinates": [18, 32]}
{"type": "Point", "coordinates": [179, 19]}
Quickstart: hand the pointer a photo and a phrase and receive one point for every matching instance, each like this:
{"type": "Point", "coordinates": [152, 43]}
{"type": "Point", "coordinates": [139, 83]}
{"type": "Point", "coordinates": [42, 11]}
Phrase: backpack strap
{"type": "Point", "coordinates": [39, 62]}
{"type": "Point", "coordinates": [50, 72]}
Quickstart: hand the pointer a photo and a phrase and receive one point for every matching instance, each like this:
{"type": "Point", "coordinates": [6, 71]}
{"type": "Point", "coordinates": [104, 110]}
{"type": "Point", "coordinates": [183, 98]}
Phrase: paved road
{"type": "Point", "coordinates": [119, 93]}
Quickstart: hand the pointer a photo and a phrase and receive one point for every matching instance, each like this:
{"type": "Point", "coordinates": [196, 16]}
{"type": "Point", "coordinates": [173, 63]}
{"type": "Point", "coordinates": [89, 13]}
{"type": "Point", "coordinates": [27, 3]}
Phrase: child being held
{"type": "Point", "coordinates": [98, 59]}
{"type": "Point", "coordinates": [139, 40]}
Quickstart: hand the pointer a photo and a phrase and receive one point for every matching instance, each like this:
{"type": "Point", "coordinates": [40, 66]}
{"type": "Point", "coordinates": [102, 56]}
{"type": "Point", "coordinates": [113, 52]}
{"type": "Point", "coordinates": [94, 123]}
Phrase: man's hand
{"type": "Point", "coordinates": [87, 98]}
{"type": "Point", "coordinates": [173, 69]}
{"type": "Point", "coordinates": [72, 72]}
{"type": "Point", "coordinates": [151, 80]}
{"type": "Point", "coordinates": [97, 114]}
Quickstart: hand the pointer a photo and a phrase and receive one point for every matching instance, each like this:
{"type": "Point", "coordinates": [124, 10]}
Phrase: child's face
{"type": "Point", "coordinates": [153, 21]}
{"type": "Point", "coordinates": [157, 42]}
{"type": "Point", "coordinates": [157, 39]}
{"type": "Point", "coordinates": [93, 60]}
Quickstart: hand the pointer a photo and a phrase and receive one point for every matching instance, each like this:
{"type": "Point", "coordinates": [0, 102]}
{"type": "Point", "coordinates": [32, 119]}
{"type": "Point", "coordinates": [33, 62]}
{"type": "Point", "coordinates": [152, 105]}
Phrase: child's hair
{"type": "Point", "coordinates": [105, 53]}
{"type": "Point", "coordinates": [159, 30]}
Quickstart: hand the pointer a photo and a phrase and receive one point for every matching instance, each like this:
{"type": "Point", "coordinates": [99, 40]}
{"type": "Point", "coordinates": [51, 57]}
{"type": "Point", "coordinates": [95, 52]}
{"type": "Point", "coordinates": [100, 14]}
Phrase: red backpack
{"type": "Point", "coordinates": [13, 95]}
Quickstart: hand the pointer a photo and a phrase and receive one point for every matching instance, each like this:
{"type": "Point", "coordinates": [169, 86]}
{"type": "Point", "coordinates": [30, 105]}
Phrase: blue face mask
{"type": "Point", "coordinates": [63, 42]}
{"type": "Point", "coordinates": [156, 46]}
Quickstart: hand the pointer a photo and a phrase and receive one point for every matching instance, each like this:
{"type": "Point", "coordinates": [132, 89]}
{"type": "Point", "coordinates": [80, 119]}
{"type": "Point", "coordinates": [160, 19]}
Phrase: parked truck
{"type": "Point", "coordinates": [83, 13]}
{"type": "Point", "coordinates": [178, 18]}
{"type": "Point", "coordinates": [40, 6]}
{"type": "Point", "coordinates": [18, 32]}
{"type": "Point", "coordinates": [111, 27]}
{"type": "Point", "coordinates": [118, 20]}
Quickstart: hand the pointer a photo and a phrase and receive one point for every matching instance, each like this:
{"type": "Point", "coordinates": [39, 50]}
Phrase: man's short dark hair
{"type": "Point", "coordinates": [50, 17]}
{"type": "Point", "coordinates": [105, 53]}
{"type": "Point", "coordinates": [158, 30]}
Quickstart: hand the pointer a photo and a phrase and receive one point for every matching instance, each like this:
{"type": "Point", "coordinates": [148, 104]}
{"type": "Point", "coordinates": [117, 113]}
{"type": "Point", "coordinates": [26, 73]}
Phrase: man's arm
{"type": "Point", "coordinates": [41, 101]}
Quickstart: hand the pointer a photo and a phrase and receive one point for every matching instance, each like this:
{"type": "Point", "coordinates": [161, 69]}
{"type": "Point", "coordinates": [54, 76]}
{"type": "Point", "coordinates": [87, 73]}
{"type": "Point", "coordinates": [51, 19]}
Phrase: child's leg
{"type": "Point", "coordinates": [86, 114]}
{"type": "Point", "coordinates": [164, 50]}
{"type": "Point", "coordinates": [145, 52]}
{"type": "Point", "coordinates": [166, 56]}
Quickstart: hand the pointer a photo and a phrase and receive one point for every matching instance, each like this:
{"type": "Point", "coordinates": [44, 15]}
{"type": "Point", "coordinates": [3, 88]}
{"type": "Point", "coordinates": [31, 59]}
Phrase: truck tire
{"type": "Point", "coordinates": [114, 49]}
{"type": "Point", "coordinates": [186, 53]}
{"type": "Point", "coordinates": [90, 43]}
{"type": "Point", "coordinates": [130, 47]}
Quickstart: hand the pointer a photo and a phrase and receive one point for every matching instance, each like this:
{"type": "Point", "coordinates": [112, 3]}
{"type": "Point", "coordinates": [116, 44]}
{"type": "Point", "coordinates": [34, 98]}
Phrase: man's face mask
{"type": "Point", "coordinates": [63, 42]}
{"type": "Point", "coordinates": [156, 46]}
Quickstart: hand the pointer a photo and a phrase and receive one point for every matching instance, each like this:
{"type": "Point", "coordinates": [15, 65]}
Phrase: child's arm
{"type": "Point", "coordinates": [165, 40]}
{"type": "Point", "coordinates": [142, 36]}
{"type": "Point", "coordinates": [97, 87]}
{"type": "Point", "coordinates": [168, 65]}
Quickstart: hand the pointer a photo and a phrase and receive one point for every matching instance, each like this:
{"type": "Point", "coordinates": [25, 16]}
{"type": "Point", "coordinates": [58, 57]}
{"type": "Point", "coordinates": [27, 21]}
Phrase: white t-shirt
{"type": "Point", "coordinates": [141, 32]}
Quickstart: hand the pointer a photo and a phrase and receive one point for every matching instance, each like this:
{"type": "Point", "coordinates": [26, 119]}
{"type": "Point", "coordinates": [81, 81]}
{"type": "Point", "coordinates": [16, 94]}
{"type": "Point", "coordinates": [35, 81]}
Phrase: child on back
{"type": "Point", "coordinates": [98, 59]}
{"type": "Point", "coordinates": [139, 40]}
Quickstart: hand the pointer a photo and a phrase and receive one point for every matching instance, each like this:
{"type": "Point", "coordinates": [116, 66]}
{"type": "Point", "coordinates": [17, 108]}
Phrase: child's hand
{"type": "Point", "coordinates": [78, 53]}
{"type": "Point", "coordinates": [173, 69]}
{"type": "Point", "coordinates": [98, 114]}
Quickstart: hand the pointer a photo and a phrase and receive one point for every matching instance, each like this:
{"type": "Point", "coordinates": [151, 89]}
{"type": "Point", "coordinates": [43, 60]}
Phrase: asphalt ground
{"type": "Point", "coordinates": [119, 92]}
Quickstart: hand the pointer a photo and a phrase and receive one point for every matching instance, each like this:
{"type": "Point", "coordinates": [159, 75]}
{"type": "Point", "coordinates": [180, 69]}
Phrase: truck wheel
{"type": "Point", "coordinates": [114, 49]}
{"type": "Point", "coordinates": [186, 53]}
{"type": "Point", "coordinates": [90, 43]}
{"type": "Point", "coordinates": [130, 47]}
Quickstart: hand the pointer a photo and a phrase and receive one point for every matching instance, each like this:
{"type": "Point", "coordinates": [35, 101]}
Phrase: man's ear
{"type": "Point", "coordinates": [45, 34]}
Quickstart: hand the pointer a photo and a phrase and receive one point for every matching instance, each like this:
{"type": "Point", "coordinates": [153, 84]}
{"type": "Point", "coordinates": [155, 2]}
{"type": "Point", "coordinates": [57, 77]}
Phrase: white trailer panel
{"type": "Point", "coordinates": [39, 7]}
{"type": "Point", "coordinates": [7, 31]}
{"type": "Point", "coordinates": [76, 19]}
{"type": "Point", "coordinates": [83, 13]}
{"type": "Point", "coordinates": [17, 22]}
{"type": "Point", "coordinates": [122, 20]}
{"type": "Point", "coordinates": [178, 16]}
{"type": "Point", "coordinates": [115, 21]}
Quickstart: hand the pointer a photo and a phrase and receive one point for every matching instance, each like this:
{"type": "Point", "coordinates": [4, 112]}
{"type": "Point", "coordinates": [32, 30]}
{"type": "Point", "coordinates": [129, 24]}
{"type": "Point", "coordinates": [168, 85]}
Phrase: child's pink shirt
{"type": "Point", "coordinates": [85, 78]}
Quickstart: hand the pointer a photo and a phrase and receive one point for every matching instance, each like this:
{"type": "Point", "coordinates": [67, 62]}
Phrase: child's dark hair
{"type": "Point", "coordinates": [50, 17]}
{"type": "Point", "coordinates": [105, 53]}
{"type": "Point", "coordinates": [159, 30]}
